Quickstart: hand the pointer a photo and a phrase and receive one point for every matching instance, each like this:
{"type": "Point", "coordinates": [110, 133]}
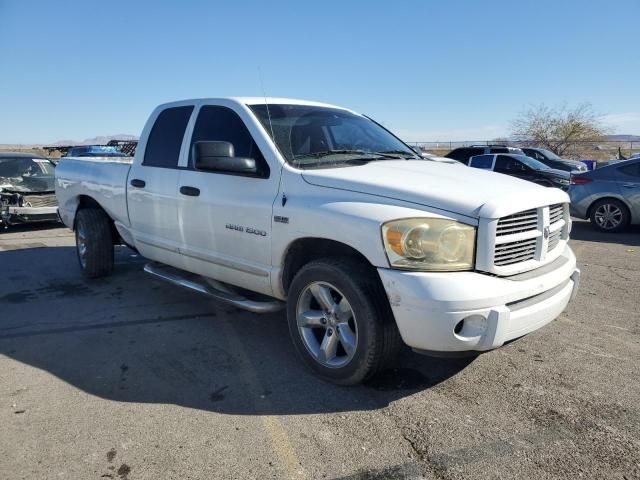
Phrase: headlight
{"type": "Point", "coordinates": [431, 244]}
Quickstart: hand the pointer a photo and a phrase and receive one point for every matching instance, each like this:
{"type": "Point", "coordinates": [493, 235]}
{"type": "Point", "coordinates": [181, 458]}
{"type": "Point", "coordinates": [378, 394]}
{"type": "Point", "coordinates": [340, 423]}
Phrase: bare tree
{"type": "Point", "coordinates": [556, 128]}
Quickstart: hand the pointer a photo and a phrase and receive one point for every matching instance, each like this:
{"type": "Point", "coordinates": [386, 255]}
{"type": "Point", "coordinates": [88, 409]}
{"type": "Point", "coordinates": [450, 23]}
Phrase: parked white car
{"type": "Point", "coordinates": [266, 203]}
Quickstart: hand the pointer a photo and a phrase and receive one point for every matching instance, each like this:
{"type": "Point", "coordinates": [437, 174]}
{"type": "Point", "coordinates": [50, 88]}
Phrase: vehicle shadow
{"type": "Point", "coordinates": [583, 230]}
{"type": "Point", "coordinates": [130, 338]}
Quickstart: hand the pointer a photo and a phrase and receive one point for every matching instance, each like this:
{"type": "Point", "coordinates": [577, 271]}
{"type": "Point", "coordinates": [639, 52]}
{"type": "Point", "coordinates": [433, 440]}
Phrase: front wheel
{"type": "Point", "coordinates": [340, 321]}
{"type": "Point", "coordinates": [94, 243]}
{"type": "Point", "coordinates": [609, 215]}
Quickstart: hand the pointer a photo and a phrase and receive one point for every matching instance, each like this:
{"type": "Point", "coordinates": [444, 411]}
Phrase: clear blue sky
{"type": "Point", "coordinates": [427, 69]}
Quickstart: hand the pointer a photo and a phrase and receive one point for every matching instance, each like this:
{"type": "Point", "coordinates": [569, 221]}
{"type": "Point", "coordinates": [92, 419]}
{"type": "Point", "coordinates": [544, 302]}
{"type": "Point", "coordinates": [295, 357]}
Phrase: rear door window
{"type": "Point", "coordinates": [165, 139]}
{"type": "Point", "coordinates": [481, 161]}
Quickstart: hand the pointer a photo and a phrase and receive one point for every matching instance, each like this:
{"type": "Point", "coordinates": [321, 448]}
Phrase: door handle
{"type": "Point", "coordinates": [138, 183]}
{"type": "Point", "coordinates": [629, 185]}
{"type": "Point", "coordinates": [190, 191]}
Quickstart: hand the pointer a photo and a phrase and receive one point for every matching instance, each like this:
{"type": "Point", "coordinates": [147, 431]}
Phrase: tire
{"type": "Point", "coordinates": [94, 243]}
{"type": "Point", "coordinates": [363, 329]}
{"type": "Point", "coordinates": [609, 215]}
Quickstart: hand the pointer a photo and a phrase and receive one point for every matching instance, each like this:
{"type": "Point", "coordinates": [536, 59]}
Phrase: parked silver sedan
{"type": "Point", "coordinates": [608, 196]}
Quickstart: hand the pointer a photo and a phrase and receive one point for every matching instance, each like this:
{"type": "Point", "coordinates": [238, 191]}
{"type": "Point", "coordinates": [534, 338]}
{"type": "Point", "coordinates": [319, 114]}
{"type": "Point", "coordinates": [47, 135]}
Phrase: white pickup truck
{"type": "Point", "coordinates": [265, 203]}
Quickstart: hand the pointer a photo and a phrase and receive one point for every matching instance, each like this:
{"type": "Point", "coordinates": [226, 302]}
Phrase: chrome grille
{"type": "Point", "coordinates": [518, 222]}
{"type": "Point", "coordinates": [40, 201]}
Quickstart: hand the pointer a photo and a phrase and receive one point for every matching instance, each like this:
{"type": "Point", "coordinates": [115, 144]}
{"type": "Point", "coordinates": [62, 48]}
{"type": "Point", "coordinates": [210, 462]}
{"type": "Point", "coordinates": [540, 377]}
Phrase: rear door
{"type": "Point", "coordinates": [152, 188]}
{"type": "Point", "coordinates": [225, 218]}
{"type": "Point", "coordinates": [629, 184]}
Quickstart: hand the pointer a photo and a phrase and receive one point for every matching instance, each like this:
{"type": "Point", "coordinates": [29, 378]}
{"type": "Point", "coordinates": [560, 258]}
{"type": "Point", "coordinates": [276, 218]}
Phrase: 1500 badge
{"type": "Point", "coordinates": [240, 228]}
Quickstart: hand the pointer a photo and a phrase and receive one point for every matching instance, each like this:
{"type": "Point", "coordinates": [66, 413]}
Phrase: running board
{"type": "Point", "coordinates": [191, 281]}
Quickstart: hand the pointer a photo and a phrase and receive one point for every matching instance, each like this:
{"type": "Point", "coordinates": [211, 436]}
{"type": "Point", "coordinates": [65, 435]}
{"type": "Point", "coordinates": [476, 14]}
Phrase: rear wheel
{"type": "Point", "coordinates": [610, 215]}
{"type": "Point", "coordinates": [340, 322]}
{"type": "Point", "coordinates": [94, 243]}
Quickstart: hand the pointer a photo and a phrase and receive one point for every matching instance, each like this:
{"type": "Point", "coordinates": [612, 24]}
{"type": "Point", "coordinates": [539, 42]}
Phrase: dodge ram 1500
{"type": "Point", "coordinates": [268, 203]}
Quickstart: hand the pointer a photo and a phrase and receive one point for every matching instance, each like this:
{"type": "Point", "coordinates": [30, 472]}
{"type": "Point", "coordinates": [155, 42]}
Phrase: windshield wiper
{"type": "Point", "coordinates": [326, 153]}
{"type": "Point", "coordinates": [334, 163]}
{"type": "Point", "coordinates": [401, 152]}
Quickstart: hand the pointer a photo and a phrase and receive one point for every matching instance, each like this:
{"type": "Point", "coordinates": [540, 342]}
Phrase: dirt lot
{"type": "Point", "coordinates": [129, 378]}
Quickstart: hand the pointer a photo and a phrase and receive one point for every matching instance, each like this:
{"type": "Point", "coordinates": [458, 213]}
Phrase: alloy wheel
{"type": "Point", "coordinates": [327, 324]}
{"type": "Point", "coordinates": [81, 242]}
{"type": "Point", "coordinates": [608, 216]}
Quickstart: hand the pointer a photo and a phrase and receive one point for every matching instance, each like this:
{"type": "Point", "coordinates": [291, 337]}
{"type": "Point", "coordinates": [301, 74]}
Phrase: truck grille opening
{"type": "Point", "coordinates": [556, 213]}
{"type": "Point", "coordinates": [515, 252]}
{"type": "Point", "coordinates": [518, 222]}
{"type": "Point", "coordinates": [528, 236]}
{"type": "Point", "coordinates": [554, 240]}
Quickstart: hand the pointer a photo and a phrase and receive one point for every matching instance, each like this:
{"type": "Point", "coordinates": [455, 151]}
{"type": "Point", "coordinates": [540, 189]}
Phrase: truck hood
{"type": "Point", "coordinates": [463, 190]}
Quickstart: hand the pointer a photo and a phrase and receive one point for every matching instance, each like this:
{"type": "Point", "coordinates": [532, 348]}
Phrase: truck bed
{"type": "Point", "coordinates": [104, 177]}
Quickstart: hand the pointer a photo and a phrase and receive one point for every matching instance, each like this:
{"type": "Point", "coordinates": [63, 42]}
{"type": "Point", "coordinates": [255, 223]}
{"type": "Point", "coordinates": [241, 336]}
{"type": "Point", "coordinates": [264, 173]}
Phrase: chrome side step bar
{"type": "Point", "coordinates": [191, 281]}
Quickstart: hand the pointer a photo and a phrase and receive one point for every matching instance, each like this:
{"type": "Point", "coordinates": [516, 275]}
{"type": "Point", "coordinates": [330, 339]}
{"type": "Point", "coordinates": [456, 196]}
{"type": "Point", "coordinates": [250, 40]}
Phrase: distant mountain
{"type": "Point", "coordinates": [623, 138]}
{"type": "Point", "coordinates": [99, 140]}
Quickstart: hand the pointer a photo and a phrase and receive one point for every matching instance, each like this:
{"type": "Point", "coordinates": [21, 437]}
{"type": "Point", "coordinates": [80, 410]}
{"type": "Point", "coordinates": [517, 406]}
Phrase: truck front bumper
{"type": "Point", "coordinates": [11, 215]}
{"type": "Point", "coordinates": [469, 311]}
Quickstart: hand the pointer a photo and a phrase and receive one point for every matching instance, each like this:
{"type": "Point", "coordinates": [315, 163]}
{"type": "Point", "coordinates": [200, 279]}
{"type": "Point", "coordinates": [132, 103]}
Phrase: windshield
{"type": "Point", "coordinates": [549, 154]}
{"type": "Point", "coordinates": [311, 137]}
{"type": "Point", "coordinates": [26, 174]}
{"type": "Point", "coordinates": [530, 162]}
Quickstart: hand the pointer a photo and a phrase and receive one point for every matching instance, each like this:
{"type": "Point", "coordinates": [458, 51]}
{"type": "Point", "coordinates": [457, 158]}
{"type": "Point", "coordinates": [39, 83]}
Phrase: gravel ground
{"type": "Point", "coordinates": [130, 378]}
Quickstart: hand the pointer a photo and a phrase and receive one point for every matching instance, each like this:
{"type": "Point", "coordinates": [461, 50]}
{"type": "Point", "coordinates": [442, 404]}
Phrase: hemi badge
{"type": "Point", "coordinates": [279, 219]}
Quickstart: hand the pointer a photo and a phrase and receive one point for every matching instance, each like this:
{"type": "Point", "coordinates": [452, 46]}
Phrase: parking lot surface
{"type": "Point", "coordinates": [131, 378]}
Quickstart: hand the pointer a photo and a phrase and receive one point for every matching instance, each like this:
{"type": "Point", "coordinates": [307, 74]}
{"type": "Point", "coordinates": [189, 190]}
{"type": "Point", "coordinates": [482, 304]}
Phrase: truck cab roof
{"type": "Point", "coordinates": [252, 101]}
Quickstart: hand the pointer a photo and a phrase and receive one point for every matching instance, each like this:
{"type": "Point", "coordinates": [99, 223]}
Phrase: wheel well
{"type": "Point", "coordinates": [590, 209]}
{"type": "Point", "coordinates": [305, 250]}
{"type": "Point", "coordinates": [85, 201]}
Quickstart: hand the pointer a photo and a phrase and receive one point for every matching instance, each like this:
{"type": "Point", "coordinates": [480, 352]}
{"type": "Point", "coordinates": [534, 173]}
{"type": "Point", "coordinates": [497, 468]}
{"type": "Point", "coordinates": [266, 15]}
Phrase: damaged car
{"type": "Point", "coordinates": [27, 192]}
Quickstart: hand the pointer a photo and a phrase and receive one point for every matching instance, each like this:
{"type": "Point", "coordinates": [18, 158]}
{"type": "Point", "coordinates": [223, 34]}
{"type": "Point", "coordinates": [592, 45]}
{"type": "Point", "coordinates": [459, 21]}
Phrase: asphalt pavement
{"type": "Point", "coordinates": [131, 378]}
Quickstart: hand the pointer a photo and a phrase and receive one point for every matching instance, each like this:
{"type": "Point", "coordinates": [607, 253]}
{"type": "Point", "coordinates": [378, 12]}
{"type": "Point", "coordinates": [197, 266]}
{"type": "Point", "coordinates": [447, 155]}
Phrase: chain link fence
{"type": "Point", "coordinates": [582, 150]}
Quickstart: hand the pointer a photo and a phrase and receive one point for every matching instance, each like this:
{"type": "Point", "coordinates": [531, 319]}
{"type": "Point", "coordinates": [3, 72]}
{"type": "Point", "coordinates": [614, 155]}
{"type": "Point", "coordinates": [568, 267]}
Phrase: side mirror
{"type": "Point", "coordinates": [217, 156]}
{"type": "Point", "coordinates": [418, 150]}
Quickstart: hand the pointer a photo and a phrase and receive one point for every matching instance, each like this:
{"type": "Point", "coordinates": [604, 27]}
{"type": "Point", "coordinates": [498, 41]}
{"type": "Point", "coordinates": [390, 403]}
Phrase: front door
{"type": "Point", "coordinates": [225, 219]}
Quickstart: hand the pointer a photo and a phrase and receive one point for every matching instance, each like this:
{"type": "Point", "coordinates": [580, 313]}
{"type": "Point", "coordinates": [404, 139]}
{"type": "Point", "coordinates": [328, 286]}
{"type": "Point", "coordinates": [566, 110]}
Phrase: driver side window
{"type": "Point", "coordinates": [215, 123]}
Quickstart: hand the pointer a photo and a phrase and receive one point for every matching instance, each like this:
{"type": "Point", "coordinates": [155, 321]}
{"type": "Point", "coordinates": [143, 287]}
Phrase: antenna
{"type": "Point", "coordinates": [264, 94]}
{"type": "Point", "coordinates": [273, 137]}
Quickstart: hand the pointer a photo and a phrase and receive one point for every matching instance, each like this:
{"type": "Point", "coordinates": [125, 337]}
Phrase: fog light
{"type": "Point", "coordinates": [458, 328]}
{"type": "Point", "coordinates": [470, 327]}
